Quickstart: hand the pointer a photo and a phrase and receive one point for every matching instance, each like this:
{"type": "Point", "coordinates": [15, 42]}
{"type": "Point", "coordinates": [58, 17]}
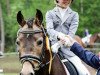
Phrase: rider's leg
{"type": "Point", "coordinates": [82, 70]}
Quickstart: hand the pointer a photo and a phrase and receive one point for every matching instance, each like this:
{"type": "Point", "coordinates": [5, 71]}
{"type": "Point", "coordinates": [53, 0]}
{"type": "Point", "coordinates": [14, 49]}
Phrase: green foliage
{"type": "Point", "coordinates": [88, 19]}
{"type": "Point", "coordinates": [28, 8]}
{"type": "Point", "coordinates": [90, 16]}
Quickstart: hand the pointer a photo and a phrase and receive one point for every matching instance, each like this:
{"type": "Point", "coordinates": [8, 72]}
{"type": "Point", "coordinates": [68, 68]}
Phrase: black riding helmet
{"type": "Point", "coordinates": [57, 1]}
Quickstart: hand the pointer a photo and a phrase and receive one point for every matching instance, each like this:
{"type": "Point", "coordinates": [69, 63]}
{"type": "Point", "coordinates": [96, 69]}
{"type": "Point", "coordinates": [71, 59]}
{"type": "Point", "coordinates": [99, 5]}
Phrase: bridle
{"type": "Point", "coordinates": [31, 58]}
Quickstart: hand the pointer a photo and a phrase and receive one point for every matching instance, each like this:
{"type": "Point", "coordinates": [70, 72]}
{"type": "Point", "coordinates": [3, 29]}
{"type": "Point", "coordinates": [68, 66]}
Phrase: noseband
{"type": "Point", "coordinates": [31, 58]}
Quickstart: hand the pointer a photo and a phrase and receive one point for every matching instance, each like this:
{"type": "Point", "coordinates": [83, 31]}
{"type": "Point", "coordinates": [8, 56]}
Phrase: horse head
{"type": "Point", "coordinates": [79, 40]}
{"type": "Point", "coordinates": [31, 42]}
{"type": "Point", "coordinates": [93, 39]}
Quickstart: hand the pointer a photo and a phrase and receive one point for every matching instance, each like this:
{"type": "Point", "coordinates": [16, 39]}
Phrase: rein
{"type": "Point", "coordinates": [30, 58]}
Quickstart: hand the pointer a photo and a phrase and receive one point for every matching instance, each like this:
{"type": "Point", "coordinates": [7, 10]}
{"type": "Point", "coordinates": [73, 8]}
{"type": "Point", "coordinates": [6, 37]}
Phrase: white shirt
{"type": "Point", "coordinates": [62, 11]}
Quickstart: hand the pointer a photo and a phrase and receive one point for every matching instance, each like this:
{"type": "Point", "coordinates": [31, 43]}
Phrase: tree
{"type": "Point", "coordinates": [8, 6]}
{"type": "Point", "coordinates": [2, 40]}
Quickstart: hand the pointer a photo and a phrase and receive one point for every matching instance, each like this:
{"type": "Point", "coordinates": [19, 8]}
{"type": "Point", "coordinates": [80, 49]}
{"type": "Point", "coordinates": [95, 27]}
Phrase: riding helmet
{"type": "Point", "coordinates": [57, 1]}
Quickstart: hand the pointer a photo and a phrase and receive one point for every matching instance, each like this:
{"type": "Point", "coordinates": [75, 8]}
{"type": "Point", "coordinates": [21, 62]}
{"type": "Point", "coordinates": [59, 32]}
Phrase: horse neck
{"type": "Point", "coordinates": [57, 67]}
{"type": "Point", "coordinates": [44, 70]}
{"type": "Point", "coordinates": [94, 38]}
{"type": "Point", "coordinates": [46, 56]}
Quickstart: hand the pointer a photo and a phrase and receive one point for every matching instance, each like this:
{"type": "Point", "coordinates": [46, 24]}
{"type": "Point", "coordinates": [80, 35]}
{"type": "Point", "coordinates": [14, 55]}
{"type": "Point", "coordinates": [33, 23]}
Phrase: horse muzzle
{"type": "Point", "coordinates": [30, 73]}
{"type": "Point", "coordinates": [29, 64]}
{"type": "Point", "coordinates": [27, 69]}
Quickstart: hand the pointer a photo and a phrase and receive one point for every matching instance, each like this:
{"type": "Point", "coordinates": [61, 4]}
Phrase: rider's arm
{"type": "Point", "coordinates": [50, 27]}
{"type": "Point", "coordinates": [87, 56]}
{"type": "Point", "coordinates": [74, 24]}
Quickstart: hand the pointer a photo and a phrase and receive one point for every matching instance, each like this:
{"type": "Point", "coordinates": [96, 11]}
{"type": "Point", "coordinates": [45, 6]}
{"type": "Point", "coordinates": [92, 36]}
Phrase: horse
{"type": "Point", "coordinates": [34, 48]}
{"type": "Point", "coordinates": [92, 40]}
{"type": "Point", "coordinates": [79, 40]}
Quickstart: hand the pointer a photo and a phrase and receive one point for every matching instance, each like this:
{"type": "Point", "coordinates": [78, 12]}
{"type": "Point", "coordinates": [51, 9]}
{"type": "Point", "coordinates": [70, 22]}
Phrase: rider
{"type": "Point", "coordinates": [86, 39]}
{"type": "Point", "coordinates": [86, 32]}
{"type": "Point", "coordinates": [63, 20]}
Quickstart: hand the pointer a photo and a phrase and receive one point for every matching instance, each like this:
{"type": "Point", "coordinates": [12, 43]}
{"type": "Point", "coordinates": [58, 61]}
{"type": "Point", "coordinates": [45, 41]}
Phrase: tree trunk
{"type": "Point", "coordinates": [81, 2]}
{"type": "Point", "coordinates": [2, 40]}
{"type": "Point", "coordinates": [8, 6]}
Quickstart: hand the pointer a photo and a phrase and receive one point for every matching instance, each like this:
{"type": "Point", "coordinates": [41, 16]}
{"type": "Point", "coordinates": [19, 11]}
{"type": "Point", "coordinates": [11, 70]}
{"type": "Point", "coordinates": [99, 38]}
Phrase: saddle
{"type": "Point", "coordinates": [69, 66]}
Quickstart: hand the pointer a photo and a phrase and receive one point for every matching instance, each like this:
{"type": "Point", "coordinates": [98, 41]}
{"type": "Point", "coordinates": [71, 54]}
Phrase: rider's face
{"type": "Point", "coordinates": [66, 2]}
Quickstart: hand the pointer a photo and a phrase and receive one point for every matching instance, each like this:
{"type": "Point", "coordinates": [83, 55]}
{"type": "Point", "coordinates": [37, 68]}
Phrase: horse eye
{"type": "Point", "coordinates": [39, 42]}
{"type": "Point", "coordinates": [17, 42]}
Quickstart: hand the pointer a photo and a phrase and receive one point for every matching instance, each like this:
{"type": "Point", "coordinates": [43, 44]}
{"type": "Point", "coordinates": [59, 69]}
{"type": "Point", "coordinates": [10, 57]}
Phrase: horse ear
{"type": "Point", "coordinates": [20, 19]}
{"type": "Point", "coordinates": [39, 16]}
{"type": "Point", "coordinates": [98, 34]}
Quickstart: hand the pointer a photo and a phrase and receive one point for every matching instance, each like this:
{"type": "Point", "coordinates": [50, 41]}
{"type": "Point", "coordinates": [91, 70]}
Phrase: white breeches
{"type": "Point", "coordinates": [82, 70]}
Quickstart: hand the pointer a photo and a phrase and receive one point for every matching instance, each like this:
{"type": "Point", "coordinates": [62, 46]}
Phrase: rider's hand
{"type": "Point", "coordinates": [61, 38]}
{"type": "Point", "coordinates": [56, 46]}
{"type": "Point", "coordinates": [66, 40]}
{"type": "Point", "coordinates": [60, 35]}
{"type": "Point", "coordinates": [69, 41]}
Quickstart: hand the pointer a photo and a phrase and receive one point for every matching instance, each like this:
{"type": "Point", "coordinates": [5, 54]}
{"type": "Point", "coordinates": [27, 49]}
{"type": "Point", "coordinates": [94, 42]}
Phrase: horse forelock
{"type": "Point", "coordinates": [30, 22]}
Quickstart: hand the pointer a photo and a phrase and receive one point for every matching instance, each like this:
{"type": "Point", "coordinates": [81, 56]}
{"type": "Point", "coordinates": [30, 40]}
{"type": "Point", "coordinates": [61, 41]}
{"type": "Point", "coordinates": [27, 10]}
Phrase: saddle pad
{"type": "Point", "coordinates": [70, 67]}
{"type": "Point", "coordinates": [67, 72]}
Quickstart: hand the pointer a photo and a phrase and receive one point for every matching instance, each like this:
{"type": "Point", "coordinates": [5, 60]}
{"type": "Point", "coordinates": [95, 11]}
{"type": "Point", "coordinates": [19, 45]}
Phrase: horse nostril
{"type": "Point", "coordinates": [21, 74]}
{"type": "Point", "coordinates": [28, 74]}
{"type": "Point", "coordinates": [31, 74]}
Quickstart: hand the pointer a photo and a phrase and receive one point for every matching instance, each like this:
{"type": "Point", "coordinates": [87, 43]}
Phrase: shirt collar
{"type": "Point", "coordinates": [62, 8]}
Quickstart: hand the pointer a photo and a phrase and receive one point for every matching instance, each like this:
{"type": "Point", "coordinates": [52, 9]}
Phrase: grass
{"type": "Point", "coordinates": [10, 64]}
{"type": "Point", "coordinates": [10, 74]}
